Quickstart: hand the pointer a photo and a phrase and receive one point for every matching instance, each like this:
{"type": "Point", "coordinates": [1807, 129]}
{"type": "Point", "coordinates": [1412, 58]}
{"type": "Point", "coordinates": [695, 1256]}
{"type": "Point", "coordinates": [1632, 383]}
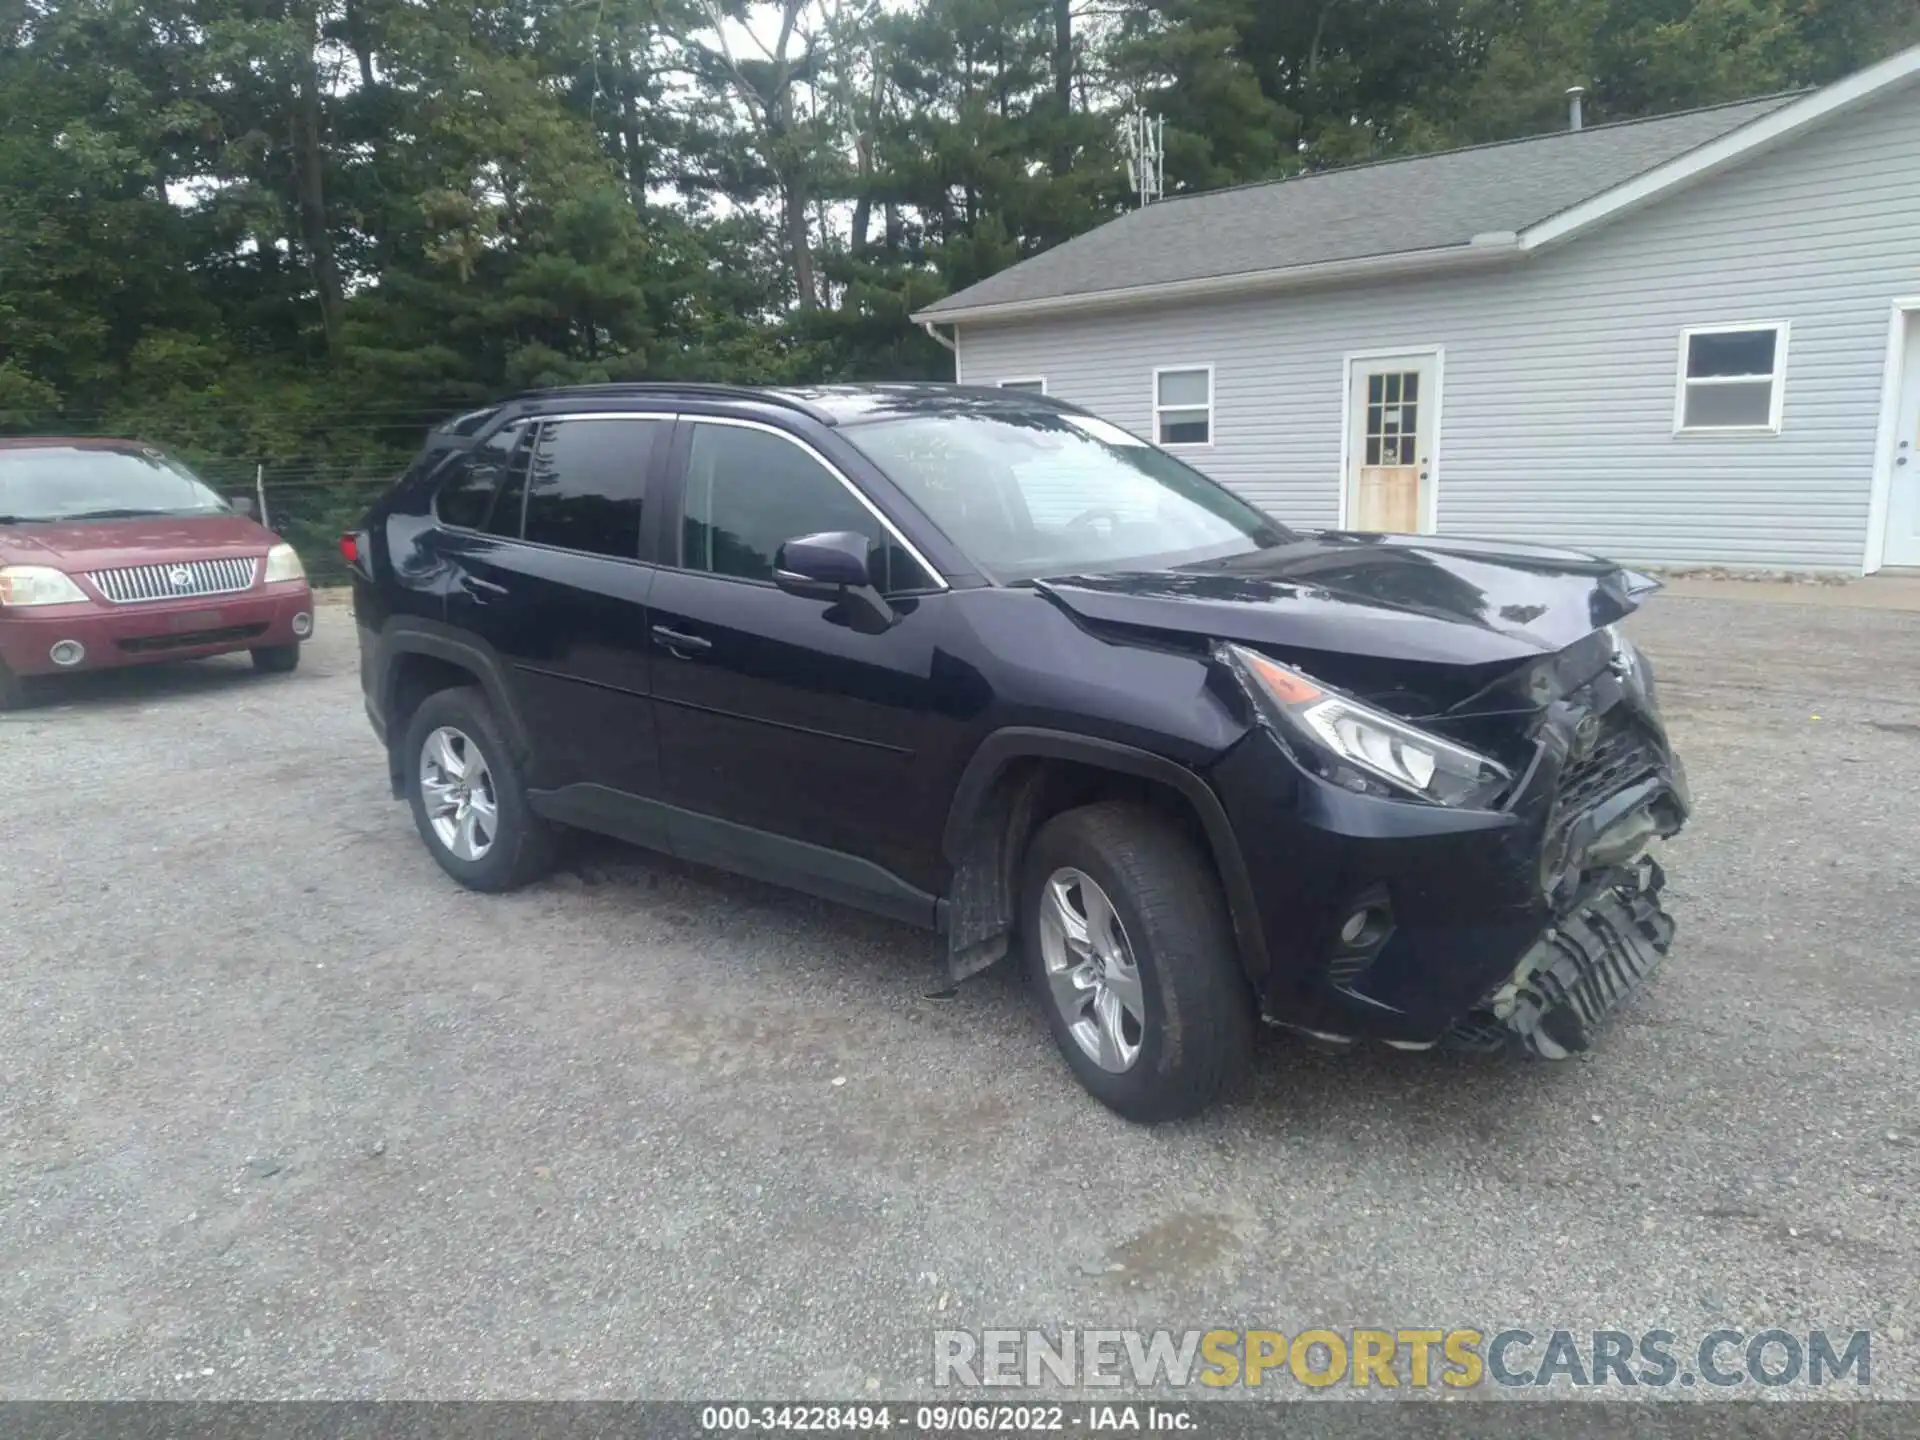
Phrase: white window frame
{"type": "Point", "coordinates": [1024, 382]}
{"type": "Point", "coordinates": [1159, 409]}
{"type": "Point", "coordinates": [1781, 329]}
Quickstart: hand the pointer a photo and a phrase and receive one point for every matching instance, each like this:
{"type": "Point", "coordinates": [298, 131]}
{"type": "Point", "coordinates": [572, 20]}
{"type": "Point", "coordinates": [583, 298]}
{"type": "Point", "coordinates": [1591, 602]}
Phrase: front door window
{"type": "Point", "coordinates": [750, 491]}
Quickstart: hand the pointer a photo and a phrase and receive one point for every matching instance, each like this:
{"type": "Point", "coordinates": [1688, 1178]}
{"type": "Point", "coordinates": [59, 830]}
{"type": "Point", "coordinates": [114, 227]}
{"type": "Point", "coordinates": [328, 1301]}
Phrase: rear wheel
{"type": "Point", "coordinates": [276, 659]}
{"type": "Point", "coordinates": [1127, 939]}
{"type": "Point", "coordinates": [468, 796]}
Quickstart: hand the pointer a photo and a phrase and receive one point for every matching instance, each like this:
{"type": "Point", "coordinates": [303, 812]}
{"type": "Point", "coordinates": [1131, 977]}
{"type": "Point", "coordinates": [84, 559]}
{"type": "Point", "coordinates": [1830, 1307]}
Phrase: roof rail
{"type": "Point", "coordinates": [700, 389]}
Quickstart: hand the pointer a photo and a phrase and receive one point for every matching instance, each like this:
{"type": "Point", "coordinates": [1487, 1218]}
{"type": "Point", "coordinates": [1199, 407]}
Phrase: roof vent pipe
{"type": "Point", "coordinates": [1574, 92]}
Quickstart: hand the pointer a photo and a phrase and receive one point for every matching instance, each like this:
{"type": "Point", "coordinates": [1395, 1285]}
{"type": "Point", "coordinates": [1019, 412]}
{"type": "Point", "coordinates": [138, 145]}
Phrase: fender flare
{"type": "Point", "coordinates": [1003, 747]}
{"type": "Point", "coordinates": [425, 637]}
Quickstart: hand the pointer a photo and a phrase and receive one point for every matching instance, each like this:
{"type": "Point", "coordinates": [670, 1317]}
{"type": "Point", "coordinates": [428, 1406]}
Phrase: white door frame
{"type": "Point", "coordinates": [1905, 318]}
{"type": "Point", "coordinates": [1430, 502]}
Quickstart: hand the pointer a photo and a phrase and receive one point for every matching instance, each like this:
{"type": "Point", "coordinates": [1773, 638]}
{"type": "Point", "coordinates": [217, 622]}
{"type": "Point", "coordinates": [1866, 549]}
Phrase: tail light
{"type": "Point", "coordinates": [350, 548]}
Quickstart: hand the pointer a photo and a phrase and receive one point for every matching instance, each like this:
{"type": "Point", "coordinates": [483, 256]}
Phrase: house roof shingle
{"type": "Point", "coordinates": [1393, 207]}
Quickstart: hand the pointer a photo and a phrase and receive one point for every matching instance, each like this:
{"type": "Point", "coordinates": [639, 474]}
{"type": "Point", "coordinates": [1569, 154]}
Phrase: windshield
{"type": "Point", "coordinates": [1045, 492]}
{"type": "Point", "coordinates": [74, 482]}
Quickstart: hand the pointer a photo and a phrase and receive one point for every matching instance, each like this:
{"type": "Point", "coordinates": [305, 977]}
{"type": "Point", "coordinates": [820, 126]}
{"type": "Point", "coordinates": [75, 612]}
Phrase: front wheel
{"type": "Point", "coordinates": [276, 659]}
{"type": "Point", "coordinates": [469, 800]}
{"type": "Point", "coordinates": [1127, 939]}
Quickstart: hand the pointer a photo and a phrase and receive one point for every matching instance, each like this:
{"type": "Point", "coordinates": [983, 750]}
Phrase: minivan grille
{"type": "Point", "coordinates": [144, 644]}
{"type": "Point", "coordinates": [175, 582]}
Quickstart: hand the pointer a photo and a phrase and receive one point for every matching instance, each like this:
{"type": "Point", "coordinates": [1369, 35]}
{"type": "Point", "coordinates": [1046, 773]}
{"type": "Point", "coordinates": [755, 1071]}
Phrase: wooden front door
{"type": "Point", "coordinates": [1393, 413]}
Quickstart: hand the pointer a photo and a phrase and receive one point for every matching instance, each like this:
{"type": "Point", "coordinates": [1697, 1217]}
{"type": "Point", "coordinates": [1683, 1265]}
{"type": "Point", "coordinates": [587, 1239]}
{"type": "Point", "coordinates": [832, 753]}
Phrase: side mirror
{"type": "Point", "coordinates": [835, 565]}
{"type": "Point", "coordinates": [242, 504]}
{"type": "Point", "coordinates": [821, 566]}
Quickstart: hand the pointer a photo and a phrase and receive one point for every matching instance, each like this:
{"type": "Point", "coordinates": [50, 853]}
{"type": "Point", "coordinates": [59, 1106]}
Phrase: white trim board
{"type": "Point", "coordinates": [1286, 277]}
{"type": "Point", "coordinates": [1769, 130]}
{"type": "Point", "coordinates": [1903, 313]}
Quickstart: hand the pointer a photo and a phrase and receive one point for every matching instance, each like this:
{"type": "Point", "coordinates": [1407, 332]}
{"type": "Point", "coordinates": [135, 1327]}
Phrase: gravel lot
{"type": "Point", "coordinates": [284, 1113]}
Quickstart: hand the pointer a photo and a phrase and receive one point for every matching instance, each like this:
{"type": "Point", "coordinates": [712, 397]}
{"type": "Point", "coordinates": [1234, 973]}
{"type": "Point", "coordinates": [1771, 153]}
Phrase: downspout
{"type": "Point", "coordinates": [939, 339]}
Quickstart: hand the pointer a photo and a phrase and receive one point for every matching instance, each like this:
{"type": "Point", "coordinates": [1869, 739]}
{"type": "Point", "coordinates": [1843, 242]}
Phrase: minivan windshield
{"type": "Point", "coordinates": [1028, 494]}
{"type": "Point", "coordinates": [79, 482]}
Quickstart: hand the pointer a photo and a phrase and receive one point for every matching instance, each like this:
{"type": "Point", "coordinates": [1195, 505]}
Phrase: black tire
{"type": "Point", "coordinates": [1198, 1034]}
{"type": "Point", "coordinates": [276, 659]}
{"type": "Point", "coordinates": [524, 846]}
{"type": "Point", "coordinates": [13, 690]}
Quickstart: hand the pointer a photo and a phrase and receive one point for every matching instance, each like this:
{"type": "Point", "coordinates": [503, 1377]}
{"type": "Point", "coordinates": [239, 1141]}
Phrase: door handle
{"type": "Point", "coordinates": [683, 645]}
{"type": "Point", "coordinates": [474, 582]}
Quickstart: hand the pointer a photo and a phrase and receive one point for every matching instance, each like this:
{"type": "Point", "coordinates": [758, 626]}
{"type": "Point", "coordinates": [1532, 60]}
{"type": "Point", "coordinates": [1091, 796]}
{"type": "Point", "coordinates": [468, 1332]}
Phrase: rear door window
{"type": "Point", "coordinates": [510, 499]}
{"type": "Point", "coordinates": [587, 484]}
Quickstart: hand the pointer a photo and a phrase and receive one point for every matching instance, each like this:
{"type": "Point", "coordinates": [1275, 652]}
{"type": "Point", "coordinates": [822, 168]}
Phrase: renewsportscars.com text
{"type": "Point", "coordinates": [1417, 1359]}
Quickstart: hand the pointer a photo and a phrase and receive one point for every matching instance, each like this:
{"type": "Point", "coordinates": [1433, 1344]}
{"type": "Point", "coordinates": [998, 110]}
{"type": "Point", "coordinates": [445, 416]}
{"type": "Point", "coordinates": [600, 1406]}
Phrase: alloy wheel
{"type": "Point", "coordinates": [457, 787]}
{"type": "Point", "coordinates": [1092, 977]}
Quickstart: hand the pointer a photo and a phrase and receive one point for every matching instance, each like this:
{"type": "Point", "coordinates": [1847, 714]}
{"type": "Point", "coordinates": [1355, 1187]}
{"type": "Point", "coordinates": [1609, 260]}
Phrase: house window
{"type": "Point", "coordinates": [1183, 405]}
{"type": "Point", "coordinates": [1731, 378]}
{"type": "Point", "coordinates": [1038, 384]}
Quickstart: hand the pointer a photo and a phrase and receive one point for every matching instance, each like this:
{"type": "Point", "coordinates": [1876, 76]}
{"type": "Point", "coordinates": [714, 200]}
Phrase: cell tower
{"type": "Point", "coordinates": [1144, 138]}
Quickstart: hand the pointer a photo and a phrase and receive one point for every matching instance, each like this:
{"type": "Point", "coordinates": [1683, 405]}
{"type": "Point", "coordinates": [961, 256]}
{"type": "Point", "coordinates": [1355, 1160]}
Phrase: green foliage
{"type": "Point", "coordinates": [292, 233]}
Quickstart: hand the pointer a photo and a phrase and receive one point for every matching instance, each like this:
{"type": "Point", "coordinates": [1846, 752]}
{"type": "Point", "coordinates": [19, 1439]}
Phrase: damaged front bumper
{"type": "Point", "coordinates": [1527, 924]}
{"type": "Point", "coordinates": [1571, 980]}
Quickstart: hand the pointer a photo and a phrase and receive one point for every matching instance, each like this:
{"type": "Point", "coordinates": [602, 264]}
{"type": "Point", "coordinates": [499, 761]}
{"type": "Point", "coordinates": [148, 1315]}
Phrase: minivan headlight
{"type": "Point", "coordinates": [23, 585]}
{"type": "Point", "coordinates": [284, 564]}
{"type": "Point", "coordinates": [1379, 746]}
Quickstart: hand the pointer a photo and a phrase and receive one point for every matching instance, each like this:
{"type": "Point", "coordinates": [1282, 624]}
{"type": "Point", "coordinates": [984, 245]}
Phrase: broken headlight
{"type": "Point", "coordinates": [1628, 662]}
{"type": "Point", "coordinates": [1352, 740]}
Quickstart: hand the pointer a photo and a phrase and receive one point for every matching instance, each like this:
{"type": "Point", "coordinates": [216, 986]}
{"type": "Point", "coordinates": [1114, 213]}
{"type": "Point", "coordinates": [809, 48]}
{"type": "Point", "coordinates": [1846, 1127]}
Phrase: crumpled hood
{"type": "Point", "coordinates": [155, 540]}
{"type": "Point", "coordinates": [1391, 597]}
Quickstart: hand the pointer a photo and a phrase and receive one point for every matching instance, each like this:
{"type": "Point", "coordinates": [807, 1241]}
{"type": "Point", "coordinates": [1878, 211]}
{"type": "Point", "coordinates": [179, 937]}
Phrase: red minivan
{"type": "Point", "coordinates": [113, 554]}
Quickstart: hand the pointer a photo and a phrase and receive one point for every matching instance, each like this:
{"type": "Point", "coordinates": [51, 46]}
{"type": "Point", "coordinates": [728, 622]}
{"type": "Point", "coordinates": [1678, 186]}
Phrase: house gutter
{"type": "Point", "coordinates": [1482, 250]}
{"type": "Point", "coordinates": [938, 338]}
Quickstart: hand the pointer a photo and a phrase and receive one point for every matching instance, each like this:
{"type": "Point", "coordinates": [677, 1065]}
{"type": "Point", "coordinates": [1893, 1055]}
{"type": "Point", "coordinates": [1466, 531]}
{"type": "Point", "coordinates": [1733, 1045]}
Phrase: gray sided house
{"type": "Point", "coordinates": [1686, 340]}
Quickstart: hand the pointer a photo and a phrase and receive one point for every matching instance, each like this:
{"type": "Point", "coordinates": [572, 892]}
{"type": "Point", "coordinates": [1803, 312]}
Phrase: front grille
{"type": "Point", "coordinates": [1623, 753]}
{"type": "Point", "coordinates": [146, 643]}
{"type": "Point", "coordinates": [138, 583]}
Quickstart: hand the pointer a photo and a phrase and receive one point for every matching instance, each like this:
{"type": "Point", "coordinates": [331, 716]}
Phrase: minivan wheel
{"type": "Point", "coordinates": [469, 800]}
{"type": "Point", "coordinates": [1127, 939]}
{"type": "Point", "coordinates": [276, 659]}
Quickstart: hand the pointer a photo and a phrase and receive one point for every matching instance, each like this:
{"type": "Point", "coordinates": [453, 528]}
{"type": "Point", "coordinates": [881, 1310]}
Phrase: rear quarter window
{"type": "Point", "coordinates": [465, 491]}
{"type": "Point", "coordinates": [469, 480]}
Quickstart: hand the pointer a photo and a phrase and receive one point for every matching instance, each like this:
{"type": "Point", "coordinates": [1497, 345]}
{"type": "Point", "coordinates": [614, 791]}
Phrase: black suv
{"type": "Point", "coordinates": [986, 663]}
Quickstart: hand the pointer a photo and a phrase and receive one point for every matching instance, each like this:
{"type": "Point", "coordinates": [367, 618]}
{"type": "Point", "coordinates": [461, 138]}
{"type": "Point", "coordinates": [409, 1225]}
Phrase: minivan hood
{"type": "Point", "coordinates": [1421, 598]}
{"type": "Point", "coordinates": [147, 540]}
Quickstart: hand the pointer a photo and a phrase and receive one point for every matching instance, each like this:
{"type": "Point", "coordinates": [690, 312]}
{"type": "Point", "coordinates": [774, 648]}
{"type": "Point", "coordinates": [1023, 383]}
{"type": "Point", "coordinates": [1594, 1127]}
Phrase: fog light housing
{"type": "Point", "coordinates": [67, 653]}
{"type": "Point", "coordinates": [303, 625]}
{"type": "Point", "coordinates": [1361, 935]}
{"type": "Point", "coordinates": [1363, 927]}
